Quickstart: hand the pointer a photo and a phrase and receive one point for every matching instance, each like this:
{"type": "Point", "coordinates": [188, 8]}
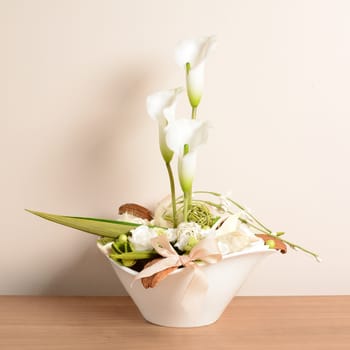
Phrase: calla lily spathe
{"type": "Point", "coordinates": [192, 54]}
{"type": "Point", "coordinates": [184, 136]}
{"type": "Point", "coordinates": [161, 107]}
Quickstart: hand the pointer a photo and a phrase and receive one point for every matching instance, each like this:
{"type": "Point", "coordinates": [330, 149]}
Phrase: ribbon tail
{"type": "Point", "coordinates": [196, 290]}
{"type": "Point", "coordinates": [157, 267]}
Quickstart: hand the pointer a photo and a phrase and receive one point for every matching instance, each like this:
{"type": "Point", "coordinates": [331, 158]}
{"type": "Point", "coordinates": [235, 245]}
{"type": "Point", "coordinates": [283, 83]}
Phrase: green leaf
{"type": "Point", "coordinates": [100, 227]}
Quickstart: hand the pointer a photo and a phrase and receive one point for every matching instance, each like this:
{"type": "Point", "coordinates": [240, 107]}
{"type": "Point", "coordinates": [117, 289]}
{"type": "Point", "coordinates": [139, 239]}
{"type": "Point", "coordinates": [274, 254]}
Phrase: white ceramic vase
{"type": "Point", "coordinates": [162, 305]}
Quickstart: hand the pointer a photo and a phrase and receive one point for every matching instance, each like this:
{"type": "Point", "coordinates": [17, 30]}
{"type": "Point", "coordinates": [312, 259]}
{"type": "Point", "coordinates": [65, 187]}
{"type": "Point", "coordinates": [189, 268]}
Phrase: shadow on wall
{"type": "Point", "coordinates": [89, 158]}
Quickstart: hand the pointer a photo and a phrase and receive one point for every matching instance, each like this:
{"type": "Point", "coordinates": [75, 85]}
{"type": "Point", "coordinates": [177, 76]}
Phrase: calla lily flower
{"type": "Point", "coordinates": [184, 136]}
{"type": "Point", "coordinates": [161, 107]}
{"type": "Point", "coordinates": [192, 55]}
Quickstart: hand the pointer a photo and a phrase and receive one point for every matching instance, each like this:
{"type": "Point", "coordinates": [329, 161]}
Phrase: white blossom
{"type": "Point", "coordinates": [192, 54]}
{"type": "Point", "coordinates": [161, 107]}
{"type": "Point", "coordinates": [188, 235]}
{"type": "Point", "coordinates": [184, 136]}
{"type": "Point", "coordinates": [171, 234]}
{"type": "Point", "coordinates": [141, 238]}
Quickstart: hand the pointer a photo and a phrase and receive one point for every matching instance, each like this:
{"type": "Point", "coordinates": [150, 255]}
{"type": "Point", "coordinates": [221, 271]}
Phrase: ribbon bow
{"type": "Point", "coordinates": [206, 250]}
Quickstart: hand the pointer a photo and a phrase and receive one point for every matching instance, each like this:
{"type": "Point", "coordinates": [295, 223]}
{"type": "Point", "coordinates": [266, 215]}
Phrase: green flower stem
{"type": "Point", "coordinates": [172, 188]}
{"type": "Point", "coordinates": [194, 112]}
{"type": "Point", "coordinates": [290, 244]}
{"type": "Point", "coordinates": [136, 255]}
{"type": "Point", "coordinates": [298, 247]}
{"type": "Point", "coordinates": [187, 200]}
{"type": "Point", "coordinates": [187, 189]}
{"type": "Point", "coordinates": [259, 229]}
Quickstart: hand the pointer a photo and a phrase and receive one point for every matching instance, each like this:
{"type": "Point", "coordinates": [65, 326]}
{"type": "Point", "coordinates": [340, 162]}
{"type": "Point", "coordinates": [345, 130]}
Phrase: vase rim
{"type": "Point", "coordinates": [254, 249]}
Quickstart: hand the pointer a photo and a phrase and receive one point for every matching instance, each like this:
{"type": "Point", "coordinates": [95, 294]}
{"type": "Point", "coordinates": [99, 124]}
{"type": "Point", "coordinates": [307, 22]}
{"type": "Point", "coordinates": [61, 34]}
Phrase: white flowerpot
{"type": "Point", "coordinates": [162, 305]}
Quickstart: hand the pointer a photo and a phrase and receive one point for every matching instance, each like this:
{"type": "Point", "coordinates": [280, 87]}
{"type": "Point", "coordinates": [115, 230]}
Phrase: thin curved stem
{"type": "Point", "coordinates": [260, 227]}
{"type": "Point", "coordinates": [239, 206]}
{"type": "Point", "coordinates": [172, 188]}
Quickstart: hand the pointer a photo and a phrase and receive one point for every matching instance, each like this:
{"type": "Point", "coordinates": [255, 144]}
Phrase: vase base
{"type": "Point", "coordinates": [171, 304]}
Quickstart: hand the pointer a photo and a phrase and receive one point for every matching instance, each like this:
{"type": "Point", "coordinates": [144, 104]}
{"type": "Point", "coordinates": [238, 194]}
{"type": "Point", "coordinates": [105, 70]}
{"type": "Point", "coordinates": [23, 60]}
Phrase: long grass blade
{"type": "Point", "coordinates": [100, 227]}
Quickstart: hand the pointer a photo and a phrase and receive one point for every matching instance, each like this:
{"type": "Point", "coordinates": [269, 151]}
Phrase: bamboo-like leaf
{"type": "Point", "coordinates": [100, 227]}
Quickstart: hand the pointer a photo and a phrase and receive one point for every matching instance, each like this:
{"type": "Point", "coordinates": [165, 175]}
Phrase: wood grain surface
{"type": "Point", "coordinates": [298, 323]}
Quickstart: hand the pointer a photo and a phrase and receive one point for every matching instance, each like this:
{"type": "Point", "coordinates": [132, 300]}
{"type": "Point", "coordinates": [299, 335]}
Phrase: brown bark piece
{"type": "Point", "coordinates": [136, 210]}
{"type": "Point", "coordinates": [279, 245]}
{"type": "Point", "coordinates": [154, 280]}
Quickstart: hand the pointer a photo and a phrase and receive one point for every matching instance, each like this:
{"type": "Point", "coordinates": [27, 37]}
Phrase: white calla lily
{"type": "Point", "coordinates": [192, 55]}
{"type": "Point", "coordinates": [183, 136]}
{"type": "Point", "coordinates": [183, 132]}
{"type": "Point", "coordinates": [161, 107]}
{"type": "Point", "coordinates": [186, 168]}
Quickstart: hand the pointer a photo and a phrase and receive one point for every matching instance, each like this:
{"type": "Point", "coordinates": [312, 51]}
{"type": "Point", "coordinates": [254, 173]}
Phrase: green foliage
{"type": "Point", "coordinates": [100, 227]}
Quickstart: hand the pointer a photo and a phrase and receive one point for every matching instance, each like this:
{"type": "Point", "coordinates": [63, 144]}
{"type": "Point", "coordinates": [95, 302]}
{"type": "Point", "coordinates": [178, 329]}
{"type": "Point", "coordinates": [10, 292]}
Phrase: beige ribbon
{"type": "Point", "coordinates": [206, 250]}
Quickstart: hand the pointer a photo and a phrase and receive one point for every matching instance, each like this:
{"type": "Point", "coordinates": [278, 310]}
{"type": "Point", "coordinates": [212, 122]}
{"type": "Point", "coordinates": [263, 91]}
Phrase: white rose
{"type": "Point", "coordinates": [188, 235]}
{"type": "Point", "coordinates": [141, 238]}
{"type": "Point", "coordinates": [171, 234]}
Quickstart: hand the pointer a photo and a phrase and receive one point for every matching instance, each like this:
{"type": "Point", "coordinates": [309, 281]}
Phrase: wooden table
{"type": "Point", "coordinates": [86, 323]}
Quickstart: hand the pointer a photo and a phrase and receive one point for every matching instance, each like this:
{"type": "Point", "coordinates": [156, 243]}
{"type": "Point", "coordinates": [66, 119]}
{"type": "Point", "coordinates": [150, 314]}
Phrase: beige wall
{"type": "Point", "coordinates": [75, 137]}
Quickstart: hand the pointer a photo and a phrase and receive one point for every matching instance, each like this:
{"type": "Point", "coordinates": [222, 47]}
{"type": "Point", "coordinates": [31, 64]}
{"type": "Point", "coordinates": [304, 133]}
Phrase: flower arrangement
{"type": "Point", "coordinates": [187, 230]}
